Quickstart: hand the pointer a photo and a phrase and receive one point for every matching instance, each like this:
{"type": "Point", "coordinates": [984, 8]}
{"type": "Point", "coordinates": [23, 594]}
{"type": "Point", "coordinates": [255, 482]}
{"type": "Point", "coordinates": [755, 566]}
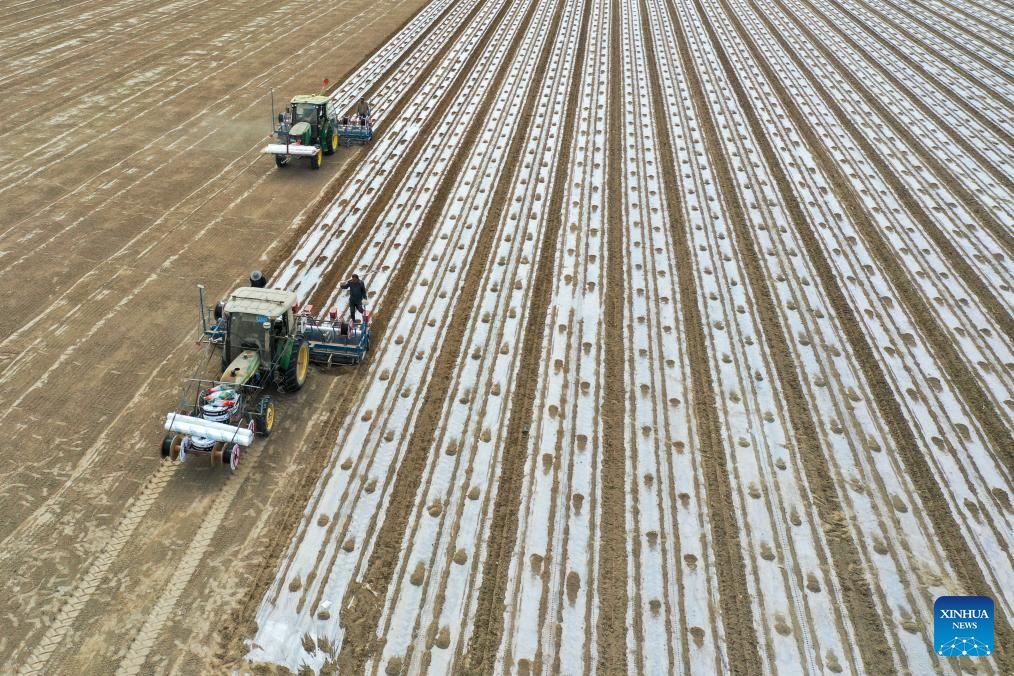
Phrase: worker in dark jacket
{"type": "Point", "coordinates": [357, 294]}
{"type": "Point", "coordinates": [363, 111]}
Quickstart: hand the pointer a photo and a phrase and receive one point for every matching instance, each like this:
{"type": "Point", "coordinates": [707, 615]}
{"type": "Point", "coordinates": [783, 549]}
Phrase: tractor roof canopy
{"type": "Point", "coordinates": [311, 98]}
{"type": "Point", "coordinates": [249, 300]}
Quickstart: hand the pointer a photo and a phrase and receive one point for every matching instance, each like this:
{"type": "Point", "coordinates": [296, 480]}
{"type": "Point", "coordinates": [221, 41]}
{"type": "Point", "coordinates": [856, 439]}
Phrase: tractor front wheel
{"type": "Point", "coordinates": [316, 160]}
{"type": "Point", "coordinates": [281, 161]}
{"type": "Point", "coordinates": [299, 366]}
{"type": "Point", "coordinates": [264, 419]}
{"type": "Point", "coordinates": [332, 143]}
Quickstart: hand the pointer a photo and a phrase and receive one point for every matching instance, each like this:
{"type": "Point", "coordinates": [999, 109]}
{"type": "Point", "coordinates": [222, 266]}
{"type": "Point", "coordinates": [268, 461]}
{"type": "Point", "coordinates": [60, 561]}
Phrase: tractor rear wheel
{"type": "Point", "coordinates": [281, 160]}
{"type": "Point", "coordinates": [316, 160]}
{"type": "Point", "coordinates": [332, 143]}
{"type": "Point", "coordinates": [299, 366]}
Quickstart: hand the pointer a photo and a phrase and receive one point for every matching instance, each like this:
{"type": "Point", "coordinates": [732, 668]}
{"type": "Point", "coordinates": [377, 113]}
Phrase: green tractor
{"type": "Point", "coordinates": [260, 334]}
{"type": "Point", "coordinates": [308, 128]}
{"type": "Point", "coordinates": [261, 342]}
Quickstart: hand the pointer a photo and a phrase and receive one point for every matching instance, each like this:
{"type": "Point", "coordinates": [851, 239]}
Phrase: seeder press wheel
{"type": "Point", "coordinates": [217, 451]}
{"type": "Point", "coordinates": [232, 457]}
{"type": "Point", "coordinates": [171, 447]}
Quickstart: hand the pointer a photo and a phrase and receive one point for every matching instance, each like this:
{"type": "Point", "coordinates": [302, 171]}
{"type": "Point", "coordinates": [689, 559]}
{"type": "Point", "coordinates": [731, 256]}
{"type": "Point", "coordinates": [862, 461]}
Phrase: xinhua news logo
{"type": "Point", "coordinates": [963, 626]}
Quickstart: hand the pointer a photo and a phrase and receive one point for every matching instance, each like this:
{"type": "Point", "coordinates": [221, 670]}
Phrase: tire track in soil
{"type": "Point", "coordinates": [996, 172]}
{"type": "Point", "coordinates": [39, 513]}
{"type": "Point", "coordinates": [368, 597]}
{"type": "Point", "coordinates": [967, 571]}
{"type": "Point", "coordinates": [63, 623]}
{"type": "Point", "coordinates": [846, 559]}
{"type": "Point", "coordinates": [41, 517]}
{"type": "Point", "coordinates": [198, 545]}
{"type": "Point", "coordinates": [145, 640]}
{"type": "Point", "coordinates": [183, 572]}
{"type": "Point", "coordinates": [1002, 232]}
{"type": "Point", "coordinates": [730, 568]}
{"type": "Point", "coordinates": [1000, 437]}
{"type": "Point", "coordinates": [613, 564]}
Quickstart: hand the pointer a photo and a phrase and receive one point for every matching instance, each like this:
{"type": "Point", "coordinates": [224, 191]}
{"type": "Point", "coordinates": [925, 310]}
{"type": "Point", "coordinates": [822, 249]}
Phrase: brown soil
{"type": "Point", "coordinates": [152, 183]}
{"type": "Point", "coordinates": [132, 172]}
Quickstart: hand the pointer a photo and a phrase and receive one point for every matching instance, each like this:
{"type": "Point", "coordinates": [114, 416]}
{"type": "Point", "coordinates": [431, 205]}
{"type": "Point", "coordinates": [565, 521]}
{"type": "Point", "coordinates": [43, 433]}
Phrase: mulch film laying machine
{"type": "Point", "coordinates": [266, 340]}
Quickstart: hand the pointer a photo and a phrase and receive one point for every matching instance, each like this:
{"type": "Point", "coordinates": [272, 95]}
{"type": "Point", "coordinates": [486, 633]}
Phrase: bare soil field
{"type": "Point", "coordinates": [693, 353]}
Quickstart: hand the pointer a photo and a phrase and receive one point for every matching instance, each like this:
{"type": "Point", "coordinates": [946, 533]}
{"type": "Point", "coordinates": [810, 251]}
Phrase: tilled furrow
{"type": "Point", "coordinates": [974, 45]}
{"type": "Point", "coordinates": [935, 196]}
{"type": "Point", "coordinates": [427, 608]}
{"type": "Point", "coordinates": [988, 90]}
{"type": "Point", "coordinates": [350, 495]}
{"type": "Point", "coordinates": [954, 144]}
{"type": "Point", "coordinates": [391, 157]}
{"type": "Point", "coordinates": [672, 587]}
{"type": "Point", "coordinates": [548, 588]}
{"type": "Point", "coordinates": [882, 474]}
{"type": "Point", "coordinates": [784, 545]}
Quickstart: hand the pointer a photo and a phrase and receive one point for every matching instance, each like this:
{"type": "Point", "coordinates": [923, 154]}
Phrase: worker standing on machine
{"type": "Point", "coordinates": [363, 111]}
{"type": "Point", "coordinates": [357, 295]}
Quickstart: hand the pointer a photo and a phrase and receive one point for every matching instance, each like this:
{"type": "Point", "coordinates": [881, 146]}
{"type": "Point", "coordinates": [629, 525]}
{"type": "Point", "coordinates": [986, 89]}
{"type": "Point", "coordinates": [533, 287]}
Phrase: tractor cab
{"type": "Point", "coordinates": [311, 113]}
{"type": "Point", "coordinates": [261, 339]}
{"type": "Point", "coordinates": [309, 117]}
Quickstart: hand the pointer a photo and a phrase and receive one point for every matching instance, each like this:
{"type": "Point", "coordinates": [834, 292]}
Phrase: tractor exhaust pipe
{"type": "Point", "coordinates": [201, 311]}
